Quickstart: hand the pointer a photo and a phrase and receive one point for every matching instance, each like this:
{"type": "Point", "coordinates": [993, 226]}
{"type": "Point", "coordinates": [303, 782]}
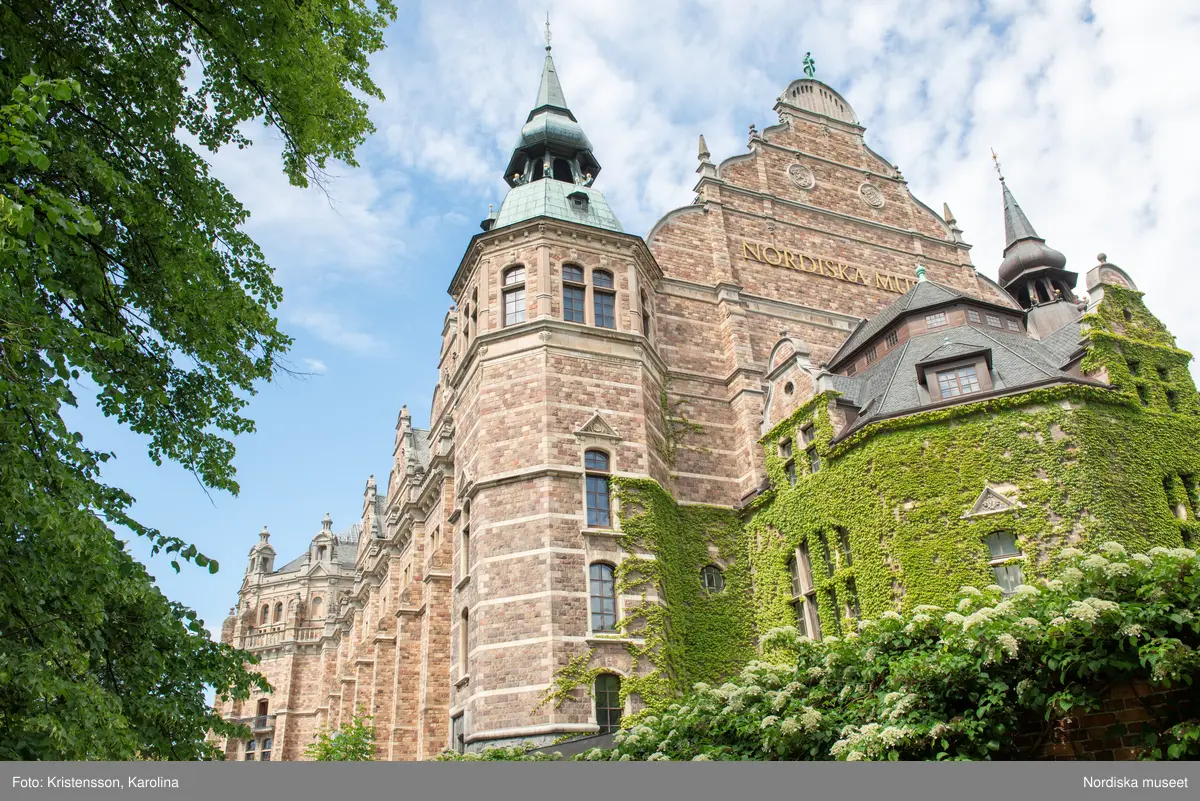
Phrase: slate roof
{"type": "Point", "coordinates": [548, 198]}
{"type": "Point", "coordinates": [346, 551]}
{"type": "Point", "coordinates": [921, 296]}
{"type": "Point", "coordinates": [889, 387]}
{"type": "Point", "coordinates": [421, 439]}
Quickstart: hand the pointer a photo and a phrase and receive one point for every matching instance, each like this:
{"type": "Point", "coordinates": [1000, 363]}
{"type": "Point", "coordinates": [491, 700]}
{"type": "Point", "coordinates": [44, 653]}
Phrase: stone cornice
{"type": "Point", "coordinates": [606, 241]}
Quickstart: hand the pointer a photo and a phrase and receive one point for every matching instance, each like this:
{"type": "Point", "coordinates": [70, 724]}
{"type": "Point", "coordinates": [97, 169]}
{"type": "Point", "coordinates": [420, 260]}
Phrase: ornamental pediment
{"type": "Point", "coordinates": [597, 426]}
{"type": "Point", "coordinates": [991, 502]}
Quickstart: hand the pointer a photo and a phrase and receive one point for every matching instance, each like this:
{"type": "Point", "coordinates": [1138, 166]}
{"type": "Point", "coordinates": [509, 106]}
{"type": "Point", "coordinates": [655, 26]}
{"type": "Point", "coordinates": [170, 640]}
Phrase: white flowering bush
{"type": "Point", "coordinates": [954, 683]}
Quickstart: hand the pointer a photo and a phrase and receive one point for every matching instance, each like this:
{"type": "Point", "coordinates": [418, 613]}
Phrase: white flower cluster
{"type": "Point", "coordinates": [1113, 549]}
{"type": "Point", "coordinates": [1026, 591]}
{"type": "Point", "coordinates": [1117, 570]}
{"type": "Point", "coordinates": [969, 590]}
{"type": "Point", "coordinates": [1008, 643]}
{"type": "Point", "coordinates": [1089, 609]}
{"type": "Point", "coordinates": [891, 615]}
{"type": "Point", "coordinates": [869, 741]}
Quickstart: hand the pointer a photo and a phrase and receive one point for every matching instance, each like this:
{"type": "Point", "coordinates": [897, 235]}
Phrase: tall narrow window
{"type": "Point", "coordinates": [514, 295]}
{"type": "Point", "coordinates": [465, 552]}
{"type": "Point", "coordinates": [574, 293]}
{"type": "Point", "coordinates": [789, 461]}
{"type": "Point", "coordinates": [608, 702]}
{"type": "Point", "coordinates": [250, 745]}
{"type": "Point", "coordinates": [1005, 560]}
{"type": "Point", "coordinates": [645, 316]}
{"type": "Point", "coordinates": [604, 597]}
{"type": "Point", "coordinates": [852, 609]}
{"type": "Point", "coordinates": [315, 608]}
{"type": "Point", "coordinates": [265, 753]}
{"type": "Point", "coordinates": [279, 613]}
{"type": "Point", "coordinates": [604, 300]}
{"type": "Point", "coordinates": [458, 736]}
{"type": "Point", "coordinates": [265, 616]}
{"type": "Point", "coordinates": [595, 465]}
{"type": "Point", "coordinates": [462, 642]}
{"type": "Point", "coordinates": [844, 557]}
{"type": "Point", "coordinates": [804, 594]}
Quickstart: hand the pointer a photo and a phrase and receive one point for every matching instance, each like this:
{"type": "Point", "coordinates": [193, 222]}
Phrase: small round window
{"type": "Point", "coordinates": [712, 578]}
{"type": "Point", "coordinates": [789, 388]}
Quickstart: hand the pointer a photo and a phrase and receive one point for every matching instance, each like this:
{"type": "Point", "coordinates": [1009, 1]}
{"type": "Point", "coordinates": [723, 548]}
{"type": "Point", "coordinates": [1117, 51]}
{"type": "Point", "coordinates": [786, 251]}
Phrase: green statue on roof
{"type": "Point", "coordinates": [810, 66]}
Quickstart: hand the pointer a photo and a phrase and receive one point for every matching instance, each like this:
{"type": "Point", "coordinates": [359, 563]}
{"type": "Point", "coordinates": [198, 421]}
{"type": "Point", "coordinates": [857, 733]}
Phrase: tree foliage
{"type": "Point", "coordinates": [123, 264]}
{"type": "Point", "coordinates": [354, 741]}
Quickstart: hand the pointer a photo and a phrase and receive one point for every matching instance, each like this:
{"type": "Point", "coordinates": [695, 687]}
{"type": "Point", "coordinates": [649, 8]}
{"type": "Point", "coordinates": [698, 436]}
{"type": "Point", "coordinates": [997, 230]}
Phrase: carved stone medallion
{"type": "Point", "coordinates": [802, 176]}
{"type": "Point", "coordinates": [871, 195]}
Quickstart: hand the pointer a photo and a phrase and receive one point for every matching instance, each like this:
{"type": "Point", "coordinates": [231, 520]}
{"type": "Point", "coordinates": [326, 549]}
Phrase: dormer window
{"type": "Point", "coordinates": [935, 320]}
{"type": "Point", "coordinates": [320, 553]}
{"type": "Point", "coordinates": [958, 381]}
{"type": "Point", "coordinates": [579, 201]}
{"type": "Point", "coordinates": [972, 316]}
{"type": "Point", "coordinates": [993, 321]}
{"type": "Point", "coordinates": [871, 355]}
{"type": "Point", "coordinates": [891, 339]}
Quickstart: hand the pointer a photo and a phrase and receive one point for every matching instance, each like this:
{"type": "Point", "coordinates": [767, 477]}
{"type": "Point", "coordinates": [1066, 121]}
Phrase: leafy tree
{"type": "Point", "coordinates": [354, 741]}
{"type": "Point", "coordinates": [123, 264]}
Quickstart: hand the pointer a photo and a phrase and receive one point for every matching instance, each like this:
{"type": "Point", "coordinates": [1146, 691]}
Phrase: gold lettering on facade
{"type": "Point", "coordinates": [851, 274]}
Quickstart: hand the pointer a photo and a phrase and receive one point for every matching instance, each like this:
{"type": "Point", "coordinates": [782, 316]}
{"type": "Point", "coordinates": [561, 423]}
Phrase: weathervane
{"type": "Point", "coordinates": [810, 66]}
{"type": "Point", "coordinates": [547, 31]}
{"type": "Point", "coordinates": [996, 161]}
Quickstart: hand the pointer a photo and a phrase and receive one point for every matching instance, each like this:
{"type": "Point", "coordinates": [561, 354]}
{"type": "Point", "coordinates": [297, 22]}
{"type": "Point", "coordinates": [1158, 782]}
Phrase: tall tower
{"type": "Point", "coordinates": [553, 379]}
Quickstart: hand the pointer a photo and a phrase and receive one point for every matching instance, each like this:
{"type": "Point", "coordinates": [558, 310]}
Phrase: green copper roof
{"type": "Point", "coordinates": [549, 198]}
{"type": "Point", "coordinates": [550, 91]}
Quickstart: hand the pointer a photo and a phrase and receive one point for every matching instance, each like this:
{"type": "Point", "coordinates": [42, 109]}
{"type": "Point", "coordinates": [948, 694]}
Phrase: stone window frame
{"type": "Point", "coordinates": [593, 596]}
{"type": "Point", "coordinates": [872, 354]}
{"type": "Point", "coordinates": [264, 617]}
{"type": "Point", "coordinates": [892, 338]}
{"type": "Point", "coordinates": [575, 285]}
{"type": "Point", "coordinates": [513, 287]}
{"type": "Point", "coordinates": [464, 545]}
{"type": "Point", "coordinates": [787, 452]}
{"type": "Point", "coordinates": [1014, 326]}
{"type": "Point", "coordinates": [458, 732]}
{"type": "Point", "coordinates": [620, 708]}
{"type": "Point", "coordinates": [249, 753]}
{"type": "Point", "coordinates": [808, 438]}
{"type": "Point", "coordinates": [644, 305]}
{"type": "Point", "coordinates": [278, 617]}
{"type": "Point", "coordinates": [804, 592]}
{"type": "Point", "coordinates": [264, 749]}
{"type": "Point", "coordinates": [1004, 560]}
{"type": "Point", "coordinates": [994, 320]}
{"type": "Point", "coordinates": [314, 606]}
{"type": "Point", "coordinates": [464, 645]}
{"type": "Point", "coordinates": [936, 320]}
{"type": "Point", "coordinates": [603, 291]}
{"type": "Point", "coordinates": [973, 316]}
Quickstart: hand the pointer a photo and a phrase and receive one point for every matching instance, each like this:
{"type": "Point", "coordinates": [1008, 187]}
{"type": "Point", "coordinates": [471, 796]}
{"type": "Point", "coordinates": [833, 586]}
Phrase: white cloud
{"type": "Point", "coordinates": [314, 365]}
{"type": "Point", "coordinates": [334, 329]}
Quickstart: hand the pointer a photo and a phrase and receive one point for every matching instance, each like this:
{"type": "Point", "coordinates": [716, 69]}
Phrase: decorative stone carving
{"type": "Point", "coordinates": [991, 502]}
{"type": "Point", "coordinates": [802, 176]}
{"type": "Point", "coordinates": [871, 195]}
{"type": "Point", "coordinates": [545, 336]}
{"type": "Point", "coordinates": [596, 426]}
{"type": "Point", "coordinates": [437, 560]}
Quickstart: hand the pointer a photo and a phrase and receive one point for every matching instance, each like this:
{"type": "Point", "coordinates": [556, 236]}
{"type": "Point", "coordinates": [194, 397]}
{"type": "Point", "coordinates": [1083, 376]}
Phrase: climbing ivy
{"type": "Point", "coordinates": [676, 427]}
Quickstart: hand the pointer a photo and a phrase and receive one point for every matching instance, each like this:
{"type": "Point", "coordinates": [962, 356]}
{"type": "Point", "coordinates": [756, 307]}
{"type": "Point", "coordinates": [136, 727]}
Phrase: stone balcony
{"type": "Point", "coordinates": [276, 635]}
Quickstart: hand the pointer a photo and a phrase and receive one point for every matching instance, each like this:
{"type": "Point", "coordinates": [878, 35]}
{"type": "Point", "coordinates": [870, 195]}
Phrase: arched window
{"type": "Point", "coordinates": [462, 642]}
{"type": "Point", "coordinates": [278, 612]}
{"type": "Point", "coordinates": [562, 171]}
{"type": "Point", "coordinates": [574, 293]}
{"type": "Point", "coordinates": [475, 309]}
{"type": "Point", "coordinates": [262, 563]}
{"type": "Point", "coordinates": [604, 597]}
{"type": "Point", "coordinates": [315, 607]}
{"type": "Point", "coordinates": [264, 616]}
{"type": "Point", "coordinates": [265, 753]}
{"type": "Point", "coordinates": [250, 744]}
{"type": "Point", "coordinates": [464, 544]}
{"type": "Point", "coordinates": [514, 295]}
{"type": "Point", "coordinates": [595, 465]}
{"type": "Point", "coordinates": [467, 322]}
{"type": "Point", "coordinates": [604, 299]}
{"type": "Point", "coordinates": [1005, 560]}
{"type": "Point", "coordinates": [712, 578]}
{"type": "Point", "coordinates": [645, 316]}
{"type": "Point", "coordinates": [608, 702]}
{"type": "Point", "coordinates": [320, 553]}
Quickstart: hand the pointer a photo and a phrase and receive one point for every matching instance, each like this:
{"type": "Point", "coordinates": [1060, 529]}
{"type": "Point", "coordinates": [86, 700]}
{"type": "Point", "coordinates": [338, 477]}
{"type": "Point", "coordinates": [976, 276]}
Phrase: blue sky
{"type": "Point", "coordinates": [1093, 108]}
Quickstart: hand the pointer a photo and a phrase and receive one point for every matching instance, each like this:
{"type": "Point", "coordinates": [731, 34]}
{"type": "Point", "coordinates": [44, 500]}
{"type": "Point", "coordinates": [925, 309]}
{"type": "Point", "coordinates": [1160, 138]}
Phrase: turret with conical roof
{"type": "Point", "coordinates": [552, 166]}
{"type": "Point", "coordinates": [1032, 271]}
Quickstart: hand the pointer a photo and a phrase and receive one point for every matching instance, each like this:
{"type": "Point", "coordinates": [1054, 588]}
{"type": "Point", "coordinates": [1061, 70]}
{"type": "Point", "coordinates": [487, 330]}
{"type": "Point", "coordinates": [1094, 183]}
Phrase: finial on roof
{"type": "Point", "coordinates": [1102, 258]}
{"type": "Point", "coordinates": [947, 214]}
{"type": "Point", "coordinates": [327, 523]}
{"type": "Point", "coordinates": [810, 66]}
{"type": "Point", "coordinates": [264, 535]}
{"type": "Point", "coordinates": [921, 273]}
{"type": "Point", "coordinates": [996, 162]}
{"type": "Point", "coordinates": [703, 155]}
{"type": "Point", "coordinates": [547, 31]}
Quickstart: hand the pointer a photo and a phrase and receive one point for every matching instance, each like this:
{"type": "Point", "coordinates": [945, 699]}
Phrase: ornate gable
{"type": "Point", "coordinates": [991, 502]}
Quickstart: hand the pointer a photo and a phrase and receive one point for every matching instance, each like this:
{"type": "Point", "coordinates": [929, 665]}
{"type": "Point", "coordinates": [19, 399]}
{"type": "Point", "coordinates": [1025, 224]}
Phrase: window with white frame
{"type": "Point", "coordinates": [958, 381]}
{"type": "Point", "coordinates": [804, 594]}
{"type": "Point", "coordinates": [574, 293]}
{"type": "Point", "coordinates": [993, 321]}
{"type": "Point", "coordinates": [935, 320]}
{"type": "Point", "coordinates": [973, 316]}
{"type": "Point", "coordinates": [1005, 560]}
{"type": "Point", "coordinates": [596, 467]}
{"type": "Point", "coordinates": [712, 579]}
{"type": "Point", "coordinates": [608, 702]}
{"type": "Point", "coordinates": [514, 295]}
{"type": "Point", "coordinates": [603, 592]}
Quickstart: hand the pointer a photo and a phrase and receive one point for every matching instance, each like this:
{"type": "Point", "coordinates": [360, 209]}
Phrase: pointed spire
{"type": "Point", "coordinates": [1025, 252]}
{"type": "Point", "coordinates": [703, 155]}
{"type": "Point", "coordinates": [1016, 224]}
{"type": "Point", "coordinates": [947, 214]}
